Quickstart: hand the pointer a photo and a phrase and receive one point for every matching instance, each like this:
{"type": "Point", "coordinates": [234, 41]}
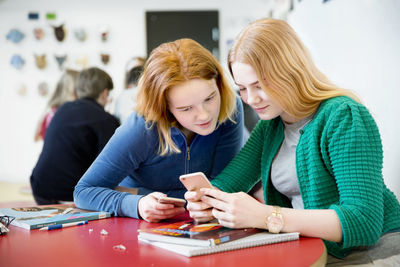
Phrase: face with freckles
{"type": "Point", "coordinates": [195, 104]}
{"type": "Point", "coordinates": [252, 93]}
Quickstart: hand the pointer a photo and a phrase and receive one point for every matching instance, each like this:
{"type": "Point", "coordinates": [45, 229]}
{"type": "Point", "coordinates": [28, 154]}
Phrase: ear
{"type": "Point", "coordinates": [102, 99]}
{"type": "Point", "coordinates": [104, 93]}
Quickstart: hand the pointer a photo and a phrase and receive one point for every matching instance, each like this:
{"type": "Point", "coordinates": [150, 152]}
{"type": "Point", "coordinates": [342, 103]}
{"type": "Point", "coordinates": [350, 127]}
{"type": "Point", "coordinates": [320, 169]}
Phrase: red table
{"type": "Point", "coordinates": [77, 246]}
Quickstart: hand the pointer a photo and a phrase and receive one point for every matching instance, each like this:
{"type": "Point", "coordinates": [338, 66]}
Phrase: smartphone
{"type": "Point", "coordinates": [172, 200]}
{"type": "Point", "coordinates": [195, 181]}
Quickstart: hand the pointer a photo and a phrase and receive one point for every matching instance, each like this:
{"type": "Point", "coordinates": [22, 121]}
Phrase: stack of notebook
{"type": "Point", "coordinates": [190, 239]}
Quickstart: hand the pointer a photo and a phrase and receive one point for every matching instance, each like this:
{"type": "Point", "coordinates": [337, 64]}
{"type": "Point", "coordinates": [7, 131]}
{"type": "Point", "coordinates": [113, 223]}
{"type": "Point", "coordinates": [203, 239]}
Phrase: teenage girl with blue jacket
{"type": "Point", "coordinates": [187, 119]}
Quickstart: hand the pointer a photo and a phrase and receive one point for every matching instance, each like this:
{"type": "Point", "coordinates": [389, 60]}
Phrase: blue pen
{"type": "Point", "coordinates": [59, 226]}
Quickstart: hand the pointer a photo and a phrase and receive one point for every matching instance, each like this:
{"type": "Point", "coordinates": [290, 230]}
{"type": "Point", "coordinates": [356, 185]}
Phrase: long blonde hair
{"type": "Point", "coordinates": [278, 57]}
{"type": "Point", "coordinates": [65, 89]}
{"type": "Point", "coordinates": [171, 64]}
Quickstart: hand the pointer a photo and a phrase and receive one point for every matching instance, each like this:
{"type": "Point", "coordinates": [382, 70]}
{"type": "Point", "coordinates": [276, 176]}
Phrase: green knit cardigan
{"type": "Point", "coordinates": [339, 167]}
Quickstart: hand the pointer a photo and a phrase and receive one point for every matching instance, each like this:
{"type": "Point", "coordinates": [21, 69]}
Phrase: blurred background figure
{"type": "Point", "coordinates": [78, 132]}
{"type": "Point", "coordinates": [133, 62]}
{"type": "Point", "coordinates": [65, 91]}
{"type": "Point", "coordinates": [126, 101]}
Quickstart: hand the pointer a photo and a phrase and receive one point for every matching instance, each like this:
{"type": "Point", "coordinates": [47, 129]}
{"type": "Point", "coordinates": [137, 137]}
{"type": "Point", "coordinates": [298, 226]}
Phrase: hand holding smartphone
{"type": "Point", "coordinates": [177, 202]}
{"type": "Point", "coordinates": [195, 181]}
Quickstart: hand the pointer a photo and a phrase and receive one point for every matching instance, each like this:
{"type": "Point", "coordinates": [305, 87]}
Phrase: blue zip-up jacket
{"type": "Point", "coordinates": [132, 153]}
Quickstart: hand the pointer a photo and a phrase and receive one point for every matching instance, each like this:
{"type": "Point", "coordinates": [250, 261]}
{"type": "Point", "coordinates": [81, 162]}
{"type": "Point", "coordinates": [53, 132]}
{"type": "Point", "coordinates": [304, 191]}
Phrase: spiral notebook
{"type": "Point", "coordinates": [191, 239]}
{"type": "Point", "coordinates": [259, 239]}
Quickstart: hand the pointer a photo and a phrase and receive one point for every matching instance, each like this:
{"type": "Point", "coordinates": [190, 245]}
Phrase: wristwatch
{"type": "Point", "coordinates": [274, 221]}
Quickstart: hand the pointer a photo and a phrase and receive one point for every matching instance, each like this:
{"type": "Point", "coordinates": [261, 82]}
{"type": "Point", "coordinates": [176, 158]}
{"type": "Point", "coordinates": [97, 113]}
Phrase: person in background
{"type": "Point", "coordinates": [78, 132]}
{"type": "Point", "coordinates": [126, 101]}
{"type": "Point", "coordinates": [65, 91]}
{"type": "Point", "coordinates": [317, 150]}
{"type": "Point", "coordinates": [187, 119]}
{"type": "Point", "coordinates": [132, 62]}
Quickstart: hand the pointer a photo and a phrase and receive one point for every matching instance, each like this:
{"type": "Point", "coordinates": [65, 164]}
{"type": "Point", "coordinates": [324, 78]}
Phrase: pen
{"type": "Point", "coordinates": [59, 226]}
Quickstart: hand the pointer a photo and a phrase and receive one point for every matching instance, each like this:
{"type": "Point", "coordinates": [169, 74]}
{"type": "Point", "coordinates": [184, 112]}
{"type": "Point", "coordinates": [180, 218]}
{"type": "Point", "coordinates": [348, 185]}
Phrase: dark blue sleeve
{"type": "Point", "coordinates": [122, 154]}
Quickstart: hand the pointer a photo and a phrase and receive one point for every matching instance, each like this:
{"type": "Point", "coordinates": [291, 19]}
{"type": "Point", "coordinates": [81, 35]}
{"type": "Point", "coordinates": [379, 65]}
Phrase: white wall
{"type": "Point", "coordinates": [126, 22]}
{"type": "Point", "coordinates": [357, 44]}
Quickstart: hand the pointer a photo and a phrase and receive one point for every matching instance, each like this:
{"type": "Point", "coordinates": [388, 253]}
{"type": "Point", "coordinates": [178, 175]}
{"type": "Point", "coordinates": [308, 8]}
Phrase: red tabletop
{"type": "Point", "coordinates": [77, 246]}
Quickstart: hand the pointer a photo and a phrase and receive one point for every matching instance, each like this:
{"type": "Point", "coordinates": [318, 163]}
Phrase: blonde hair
{"type": "Point", "coordinates": [279, 58]}
{"type": "Point", "coordinates": [172, 64]}
{"type": "Point", "coordinates": [65, 89]}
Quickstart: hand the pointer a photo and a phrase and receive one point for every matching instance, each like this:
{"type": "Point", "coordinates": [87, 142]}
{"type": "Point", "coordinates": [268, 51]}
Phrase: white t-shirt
{"type": "Point", "coordinates": [283, 169]}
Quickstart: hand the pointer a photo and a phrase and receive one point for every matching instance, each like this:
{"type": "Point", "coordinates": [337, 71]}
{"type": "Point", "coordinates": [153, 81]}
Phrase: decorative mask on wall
{"type": "Point", "coordinates": [104, 34]}
{"type": "Point", "coordinates": [59, 32]}
{"type": "Point", "coordinates": [15, 36]}
{"type": "Point", "coordinates": [41, 61]}
{"type": "Point", "coordinates": [38, 33]}
{"type": "Point", "coordinates": [82, 62]}
{"type": "Point", "coordinates": [80, 34]}
{"type": "Point", "coordinates": [43, 89]}
{"type": "Point", "coordinates": [17, 61]}
{"type": "Point", "coordinates": [22, 90]}
{"type": "Point", "coordinates": [60, 60]}
{"type": "Point", "coordinates": [105, 58]}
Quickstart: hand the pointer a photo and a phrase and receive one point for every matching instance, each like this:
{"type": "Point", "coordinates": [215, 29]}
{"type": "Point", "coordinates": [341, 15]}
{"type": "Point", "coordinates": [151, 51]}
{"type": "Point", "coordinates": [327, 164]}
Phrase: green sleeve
{"type": "Point", "coordinates": [353, 147]}
{"type": "Point", "coordinates": [244, 170]}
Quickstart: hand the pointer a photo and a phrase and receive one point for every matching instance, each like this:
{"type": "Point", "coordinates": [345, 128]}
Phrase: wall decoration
{"type": "Point", "coordinates": [51, 16]}
{"type": "Point", "coordinates": [104, 34]}
{"type": "Point", "coordinates": [33, 15]}
{"type": "Point", "coordinates": [17, 61]}
{"type": "Point", "coordinates": [60, 61]}
{"type": "Point", "coordinates": [59, 32]}
{"type": "Point", "coordinates": [15, 36]}
{"type": "Point", "coordinates": [41, 61]}
{"type": "Point", "coordinates": [22, 90]}
{"type": "Point", "coordinates": [80, 34]}
{"type": "Point", "coordinates": [82, 61]}
{"type": "Point", "coordinates": [105, 58]}
{"type": "Point", "coordinates": [43, 89]}
{"type": "Point", "coordinates": [38, 33]}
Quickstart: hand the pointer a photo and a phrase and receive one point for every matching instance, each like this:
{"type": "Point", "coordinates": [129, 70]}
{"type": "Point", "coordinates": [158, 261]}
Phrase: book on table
{"type": "Point", "coordinates": [191, 239]}
{"type": "Point", "coordinates": [41, 216]}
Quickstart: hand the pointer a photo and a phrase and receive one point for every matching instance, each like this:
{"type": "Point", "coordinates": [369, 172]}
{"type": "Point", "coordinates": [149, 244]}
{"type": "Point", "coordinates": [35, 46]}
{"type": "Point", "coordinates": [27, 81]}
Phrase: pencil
{"type": "Point", "coordinates": [59, 226]}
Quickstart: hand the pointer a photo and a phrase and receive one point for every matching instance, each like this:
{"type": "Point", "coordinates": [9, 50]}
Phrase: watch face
{"type": "Point", "coordinates": [275, 224]}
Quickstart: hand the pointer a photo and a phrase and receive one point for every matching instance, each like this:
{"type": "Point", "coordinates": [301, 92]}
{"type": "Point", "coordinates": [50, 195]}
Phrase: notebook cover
{"type": "Point", "coordinates": [40, 216]}
{"type": "Point", "coordinates": [190, 233]}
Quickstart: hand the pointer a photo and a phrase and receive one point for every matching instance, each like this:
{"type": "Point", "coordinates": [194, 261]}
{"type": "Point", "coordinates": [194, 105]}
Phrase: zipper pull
{"type": "Point", "coordinates": [188, 153]}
